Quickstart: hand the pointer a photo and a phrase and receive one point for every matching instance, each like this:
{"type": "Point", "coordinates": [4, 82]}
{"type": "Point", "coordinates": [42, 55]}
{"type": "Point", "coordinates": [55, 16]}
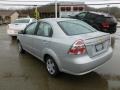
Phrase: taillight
{"type": "Point", "coordinates": [78, 48]}
{"type": "Point", "coordinates": [105, 25]}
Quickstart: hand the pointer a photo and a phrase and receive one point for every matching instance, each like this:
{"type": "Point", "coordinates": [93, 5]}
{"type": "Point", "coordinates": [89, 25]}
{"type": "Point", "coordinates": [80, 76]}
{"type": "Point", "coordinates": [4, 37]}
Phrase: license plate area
{"type": "Point", "coordinates": [99, 47]}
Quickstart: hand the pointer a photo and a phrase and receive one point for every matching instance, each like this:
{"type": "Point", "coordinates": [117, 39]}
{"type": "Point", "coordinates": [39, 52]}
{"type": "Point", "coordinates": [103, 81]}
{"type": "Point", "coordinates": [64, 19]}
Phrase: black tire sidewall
{"type": "Point", "coordinates": [20, 46]}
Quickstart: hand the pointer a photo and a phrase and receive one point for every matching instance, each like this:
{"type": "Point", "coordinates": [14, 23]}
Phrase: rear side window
{"type": "Point", "coordinates": [111, 19]}
{"type": "Point", "coordinates": [22, 21]}
{"type": "Point", "coordinates": [45, 30]}
{"type": "Point", "coordinates": [75, 27]}
{"type": "Point", "coordinates": [100, 18]}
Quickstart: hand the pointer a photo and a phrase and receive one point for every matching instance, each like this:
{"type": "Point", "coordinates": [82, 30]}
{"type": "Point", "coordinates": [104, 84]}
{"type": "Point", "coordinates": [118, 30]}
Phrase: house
{"type": "Point", "coordinates": [8, 16]}
{"type": "Point", "coordinates": [22, 15]}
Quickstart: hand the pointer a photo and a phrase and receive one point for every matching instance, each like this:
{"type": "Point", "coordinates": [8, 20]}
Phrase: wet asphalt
{"type": "Point", "coordinates": [25, 72]}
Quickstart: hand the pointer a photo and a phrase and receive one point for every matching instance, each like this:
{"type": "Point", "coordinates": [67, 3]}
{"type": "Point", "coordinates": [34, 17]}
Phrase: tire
{"type": "Point", "coordinates": [20, 49]}
{"type": "Point", "coordinates": [13, 37]}
{"type": "Point", "coordinates": [51, 66]}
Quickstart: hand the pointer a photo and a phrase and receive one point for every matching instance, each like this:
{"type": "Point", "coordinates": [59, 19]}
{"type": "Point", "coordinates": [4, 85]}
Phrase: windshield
{"type": "Point", "coordinates": [22, 21]}
{"type": "Point", "coordinates": [75, 27]}
{"type": "Point", "coordinates": [108, 19]}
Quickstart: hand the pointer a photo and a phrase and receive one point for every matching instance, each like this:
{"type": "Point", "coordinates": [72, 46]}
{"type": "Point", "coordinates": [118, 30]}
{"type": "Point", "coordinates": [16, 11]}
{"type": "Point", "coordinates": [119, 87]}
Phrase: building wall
{"type": "Point", "coordinates": [5, 19]}
{"type": "Point", "coordinates": [66, 10]}
{"type": "Point", "coordinates": [49, 10]}
{"type": "Point", "coordinates": [14, 16]}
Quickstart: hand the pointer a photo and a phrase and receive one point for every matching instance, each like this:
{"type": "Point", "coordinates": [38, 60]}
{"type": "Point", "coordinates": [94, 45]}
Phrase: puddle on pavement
{"type": "Point", "coordinates": [111, 69]}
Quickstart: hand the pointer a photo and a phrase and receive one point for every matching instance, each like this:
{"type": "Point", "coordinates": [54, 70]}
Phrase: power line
{"type": "Point", "coordinates": [24, 1]}
{"type": "Point", "coordinates": [5, 4]}
{"type": "Point", "coordinates": [40, 5]}
{"type": "Point", "coordinates": [52, 1]}
{"type": "Point", "coordinates": [1, 2]}
{"type": "Point", "coordinates": [103, 4]}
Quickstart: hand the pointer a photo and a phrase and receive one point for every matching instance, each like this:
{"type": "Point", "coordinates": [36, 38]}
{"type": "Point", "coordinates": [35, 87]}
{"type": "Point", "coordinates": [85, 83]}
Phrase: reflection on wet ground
{"type": "Point", "coordinates": [25, 72]}
{"type": "Point", "coordinates": [111, 69]}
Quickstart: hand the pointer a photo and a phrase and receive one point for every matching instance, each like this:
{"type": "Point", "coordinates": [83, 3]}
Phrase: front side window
{"type": "Point", "coordinates": [31, 29]}
{"type": "Point", "coordinates": [75, 27]}
{"type": "Point", "coordinates": [44, 29]}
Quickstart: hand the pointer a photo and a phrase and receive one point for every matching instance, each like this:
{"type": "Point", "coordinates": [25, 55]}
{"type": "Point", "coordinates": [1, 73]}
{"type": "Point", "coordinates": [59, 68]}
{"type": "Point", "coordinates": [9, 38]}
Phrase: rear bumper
{"type": "Point", "coordinates": [110, 30]}
{"type": "Point", "coordinates": [12, 32]}
{"type": "Point", "coordinates": [83, 65]}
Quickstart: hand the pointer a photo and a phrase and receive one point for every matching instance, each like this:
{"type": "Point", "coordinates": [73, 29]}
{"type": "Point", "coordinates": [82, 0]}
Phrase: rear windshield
{"type": "Point", "coordinates": [100, 18]}
{"type": "Point", "coordinates": [108, 19]}
{"type": "Point", "coordinates": [75, 27]}
{"type": "Point", "coordinates": [22, 21]}
{"type": "Point", "coordinates": [111, 19]}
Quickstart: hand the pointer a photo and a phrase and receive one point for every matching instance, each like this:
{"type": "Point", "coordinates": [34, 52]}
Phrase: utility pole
{"type": "Point", "coordinates": [56, 9]}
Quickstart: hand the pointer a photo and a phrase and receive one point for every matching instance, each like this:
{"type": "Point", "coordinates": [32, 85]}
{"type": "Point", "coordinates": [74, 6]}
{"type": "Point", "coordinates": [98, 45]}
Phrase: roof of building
{"type": "Point", "coordinates": [51, 6]}
{"type": "Point", "coordinates": [68, 3]}
{"type": "Point", "coordinates": [6, 13]}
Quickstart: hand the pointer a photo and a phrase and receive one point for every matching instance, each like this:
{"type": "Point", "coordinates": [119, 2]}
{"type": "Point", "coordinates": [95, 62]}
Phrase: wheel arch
{"type": "Point", "coordinates": [52, 54]}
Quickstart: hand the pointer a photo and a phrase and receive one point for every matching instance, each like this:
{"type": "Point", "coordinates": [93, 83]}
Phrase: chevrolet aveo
{"type": "Point", "coordinates": [66, 45]}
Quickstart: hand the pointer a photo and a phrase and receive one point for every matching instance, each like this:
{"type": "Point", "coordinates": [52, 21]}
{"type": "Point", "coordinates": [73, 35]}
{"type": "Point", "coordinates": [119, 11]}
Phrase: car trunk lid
{"type": "Point", "coordinates": [96, 43]}
{"type": "Point", "coordinates": [17, 26]}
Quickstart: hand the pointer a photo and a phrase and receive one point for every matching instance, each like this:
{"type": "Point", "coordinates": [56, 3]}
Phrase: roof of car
{"type": "Point", "coordinates": [24, 18]}
{"type": "Point", "coordinates": [99, 13]}
{"type": "Point", "coordinates": [55, 19]}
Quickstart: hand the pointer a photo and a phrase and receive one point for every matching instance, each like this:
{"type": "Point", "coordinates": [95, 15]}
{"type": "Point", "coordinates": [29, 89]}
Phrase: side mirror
{"type": "Point", "coordinates": [21, 32]}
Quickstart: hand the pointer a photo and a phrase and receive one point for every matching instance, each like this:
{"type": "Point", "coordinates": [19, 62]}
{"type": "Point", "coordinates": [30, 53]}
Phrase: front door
{"type": "Point", "coordinates": [28, 38]}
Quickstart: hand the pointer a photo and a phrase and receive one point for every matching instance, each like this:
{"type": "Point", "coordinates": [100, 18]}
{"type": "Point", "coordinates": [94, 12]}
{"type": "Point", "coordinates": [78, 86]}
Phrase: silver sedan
{"type": "Point", "coordinates": [66, 45]}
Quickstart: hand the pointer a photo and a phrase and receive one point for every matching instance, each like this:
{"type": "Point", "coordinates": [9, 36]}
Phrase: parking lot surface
{"type": "Point", "coordinates": [25, 72]}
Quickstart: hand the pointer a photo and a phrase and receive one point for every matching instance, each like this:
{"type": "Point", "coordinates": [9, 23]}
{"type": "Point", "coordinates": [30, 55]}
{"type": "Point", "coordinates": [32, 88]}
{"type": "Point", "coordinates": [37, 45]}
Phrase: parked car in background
{"type": "Point", "coordinates": [101, 21]}
{"type": "Point", "coordinates": [66, 45]}
{"type": "Point", "coordinates": [18, 25]}
{"type": "Point", "coordinates": [1, 20]}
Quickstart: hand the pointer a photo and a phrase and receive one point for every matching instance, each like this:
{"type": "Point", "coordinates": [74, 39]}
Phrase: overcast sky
{"type": "Point", "coordinates": [7, 2]}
